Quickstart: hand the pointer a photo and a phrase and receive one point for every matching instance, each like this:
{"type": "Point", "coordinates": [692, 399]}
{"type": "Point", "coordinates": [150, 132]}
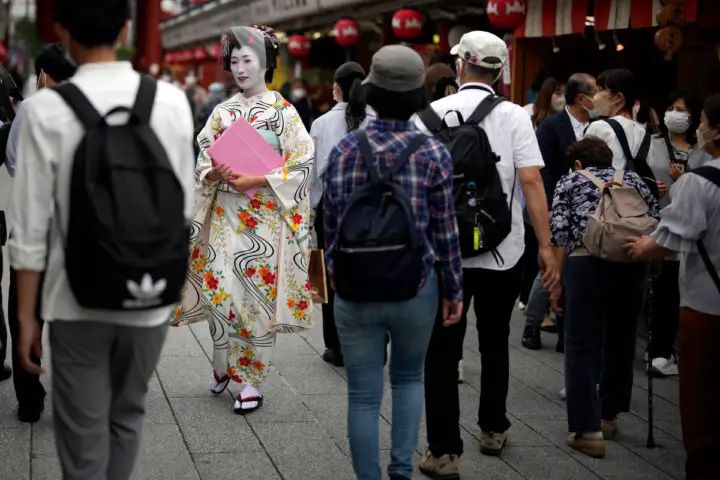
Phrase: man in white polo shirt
{"type": "Point", "coordinates": [492, 279]}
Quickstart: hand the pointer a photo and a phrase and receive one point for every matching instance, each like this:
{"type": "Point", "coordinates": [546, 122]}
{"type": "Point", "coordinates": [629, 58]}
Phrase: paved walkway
{"type": "Point", "coordinates": [300, 433]}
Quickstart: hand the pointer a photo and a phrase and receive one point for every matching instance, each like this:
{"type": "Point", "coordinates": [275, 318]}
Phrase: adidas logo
{"type": "Point", "coordinates": [146, 294]}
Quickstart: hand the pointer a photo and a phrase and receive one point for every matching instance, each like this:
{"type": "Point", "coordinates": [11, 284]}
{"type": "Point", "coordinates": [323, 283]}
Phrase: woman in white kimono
{"type": "Point", "coordinates": [248, 273]}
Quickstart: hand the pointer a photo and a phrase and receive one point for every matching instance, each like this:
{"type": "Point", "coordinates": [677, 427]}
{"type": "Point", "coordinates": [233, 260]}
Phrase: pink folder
{"type": "Point", "coordinates": [244, 150]}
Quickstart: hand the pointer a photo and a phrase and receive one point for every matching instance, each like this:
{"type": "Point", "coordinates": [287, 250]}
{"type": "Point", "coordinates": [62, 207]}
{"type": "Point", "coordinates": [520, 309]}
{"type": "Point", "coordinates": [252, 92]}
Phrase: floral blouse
{"type": "Point", "coordinates": [576, 199]}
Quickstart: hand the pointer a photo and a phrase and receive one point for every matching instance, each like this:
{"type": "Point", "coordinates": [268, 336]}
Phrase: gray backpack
{"type": "Point", "coordinates": [621, 213]}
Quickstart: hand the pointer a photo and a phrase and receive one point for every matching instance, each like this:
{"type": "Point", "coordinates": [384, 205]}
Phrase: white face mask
{"type": "Point", "coordinates": [298, 94]}
{"type": "Point", "coordinates": [557, 102]}
{"type": "Point", "coordinates": [246, 70]}
{"type": "Point", "coordinates": [677, 122]}
{"type": "Point", "coordinates": [703, 137]}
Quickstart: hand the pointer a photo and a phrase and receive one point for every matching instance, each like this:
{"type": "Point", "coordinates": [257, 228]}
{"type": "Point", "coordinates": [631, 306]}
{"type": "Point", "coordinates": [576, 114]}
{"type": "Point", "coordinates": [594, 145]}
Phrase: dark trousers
{"type": "Point", "coordinates": [494, 294]}
{"type": "Point", "coordinates": [330, 334]}
{"type": "Point", "coordinates": [529, 264]}
{"type": "Point", "coordinates": [603, 301]}
{"type": "Point", "coordinates": [699, 392]}
{"type": "Point", "coordinates": [665, 310]}
{"type": "Point", "coordinates": [28, 389]}
{"type": "Point", "coordinates": [3, 328]}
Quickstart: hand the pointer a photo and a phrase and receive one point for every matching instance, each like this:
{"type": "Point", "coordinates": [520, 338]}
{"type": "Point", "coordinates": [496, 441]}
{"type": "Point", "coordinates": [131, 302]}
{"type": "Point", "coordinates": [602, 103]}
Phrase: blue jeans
{"type": "Point", "coordinates": [362, 328]}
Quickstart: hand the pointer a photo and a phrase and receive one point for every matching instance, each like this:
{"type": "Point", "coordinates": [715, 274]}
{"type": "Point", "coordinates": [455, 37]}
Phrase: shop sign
{"type": "Point", "coordinates": [272, 11]}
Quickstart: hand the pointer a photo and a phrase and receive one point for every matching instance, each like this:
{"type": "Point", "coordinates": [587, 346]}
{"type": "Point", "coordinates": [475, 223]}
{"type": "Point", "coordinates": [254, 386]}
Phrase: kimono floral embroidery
{"type": "Point", "coordinates": [248, 260]}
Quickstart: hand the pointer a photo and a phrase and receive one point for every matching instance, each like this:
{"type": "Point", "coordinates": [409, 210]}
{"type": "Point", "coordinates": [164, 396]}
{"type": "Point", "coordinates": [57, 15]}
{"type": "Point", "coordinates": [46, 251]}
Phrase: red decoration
{"type": "Point", "coordinates": [169, 57]}
{"type": "Point", "coordinates": [216, 51]}
{"type": "Point", "coordinates": [407, 24]}
{"type": "Point", "coordinates": [348, 32]}
{"type": "Point", "coordinates": [184, 56]}
{"type": "Point", "coordinates": [3, 53]}
{"type": "Point", "coordinates": [200, 54]}
{"type": "Point", "coordinates": [506, 14]}
{"type": "Point", "coordinates": [298, 46]}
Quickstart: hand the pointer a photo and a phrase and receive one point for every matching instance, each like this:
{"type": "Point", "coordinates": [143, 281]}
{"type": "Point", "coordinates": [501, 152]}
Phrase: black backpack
{"type": "Point", "coordinates": [483, 215]}
{"type": "Point", "coordinates": [638, 163]}
{"type": "Point", "coordinates": [712, 175]}
{"type": "Point", "coordinates": [379, 257]}
{"type": "Point", "coordinates": [126, 244]}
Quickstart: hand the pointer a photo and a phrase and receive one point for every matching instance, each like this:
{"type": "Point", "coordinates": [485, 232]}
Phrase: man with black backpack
{"type": "Point", "coordinates": [495, 155]}
{"type": "Point", "coordinates": [100, 205]}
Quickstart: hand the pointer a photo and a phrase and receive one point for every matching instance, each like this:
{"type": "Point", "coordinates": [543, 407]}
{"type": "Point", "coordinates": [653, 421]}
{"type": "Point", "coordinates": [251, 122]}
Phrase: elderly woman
{"type": "Point", "coordinates": [250, 244]}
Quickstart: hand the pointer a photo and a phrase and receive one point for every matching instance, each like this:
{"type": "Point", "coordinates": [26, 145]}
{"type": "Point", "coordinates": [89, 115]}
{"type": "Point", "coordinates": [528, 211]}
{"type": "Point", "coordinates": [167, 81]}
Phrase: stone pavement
{"type": "Point", "coordinates": [300, 432]}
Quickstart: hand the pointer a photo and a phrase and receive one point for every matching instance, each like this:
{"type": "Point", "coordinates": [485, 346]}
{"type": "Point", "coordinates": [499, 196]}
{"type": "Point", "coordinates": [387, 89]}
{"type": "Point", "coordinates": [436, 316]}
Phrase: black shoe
{"type": "Point", "coordinates": [531, 338]}
{"type": "Point", "coordinates": [333, 357]}
{"type": "Point", "coordinates": [30, 413]}
{"type": "Point", "coordinates": [5, 373]}
{"type": "Point", "coordinates": [398, 477]}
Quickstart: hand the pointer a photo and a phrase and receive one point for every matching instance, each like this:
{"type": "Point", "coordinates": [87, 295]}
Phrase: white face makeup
{"type": "Point", "coordinates": [247, 71]}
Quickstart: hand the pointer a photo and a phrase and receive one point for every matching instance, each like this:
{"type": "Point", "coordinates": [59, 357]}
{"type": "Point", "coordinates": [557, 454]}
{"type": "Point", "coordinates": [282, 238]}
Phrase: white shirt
{"type": "Point", "coordinates": [578, 126]}
{"type": "Point", "coordinates": [634, 132]}
{"type": "Point", "coordinates": [512, 138]}
{"type": "Point", "coordinates": [326, 132]}
{"type": "Point", "coordinates": [46, 147]}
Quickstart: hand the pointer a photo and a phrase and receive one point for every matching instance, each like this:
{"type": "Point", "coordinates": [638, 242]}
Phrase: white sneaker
{"type": "Point", "coordinates": [664, 367]}
{"type": "Point", "coordinates": [521, 306]}
{"type": "Point", "coordinates": [461, 372]}
{"type": "Point", "coordinates": [563, 395]}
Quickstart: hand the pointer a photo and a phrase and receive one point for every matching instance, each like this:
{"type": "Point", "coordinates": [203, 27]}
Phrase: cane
{"type": "Point", "coordinates": [648, 364]}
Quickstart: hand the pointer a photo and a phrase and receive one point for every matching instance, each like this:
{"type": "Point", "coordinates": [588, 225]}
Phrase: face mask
{"type": "Point", "coordinates": [557, 103]}
{"type": "Point", "coordinates": [298, 94]}
{"type": "Point", "coordinates": [677, 122]}
{"type": "Point", "coordinates": [702, 137]}
{"type": "Point", "coordinates": [602, 105]}
{"type": "Point", "coordinates": [591, 111]}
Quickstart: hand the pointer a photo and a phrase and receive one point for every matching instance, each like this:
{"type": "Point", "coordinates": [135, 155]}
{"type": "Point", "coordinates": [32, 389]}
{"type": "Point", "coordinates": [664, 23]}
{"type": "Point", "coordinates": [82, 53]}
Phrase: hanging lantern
{"type": "Point", "coordinates": [669, 39]}
{"type": "Point", "coordinates": [216, 51]}
{"type": "Point", "coordinates": [200, 54]}
{"type": "Point", "coordinates": [298, 46]}
{"type": "Point", "coordinates": [348, 32]}
{"type": "Point", "coordinates": [506, 14]}
{"type": "Point", "coordinates": [407, 24]}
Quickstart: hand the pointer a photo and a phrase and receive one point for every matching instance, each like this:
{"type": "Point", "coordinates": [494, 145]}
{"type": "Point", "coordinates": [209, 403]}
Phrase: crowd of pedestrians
{"type": "Point", "coordinates": [427, 193]}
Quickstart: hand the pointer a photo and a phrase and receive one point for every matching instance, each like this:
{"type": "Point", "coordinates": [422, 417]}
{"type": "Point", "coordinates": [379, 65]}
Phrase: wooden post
{"type": "Point", "coordinates": [148, 42]}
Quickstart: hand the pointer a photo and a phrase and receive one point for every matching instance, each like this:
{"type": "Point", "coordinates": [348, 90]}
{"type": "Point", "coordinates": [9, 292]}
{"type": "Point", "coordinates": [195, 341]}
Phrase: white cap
{"type": "Point", "coordinates": [482, 49]}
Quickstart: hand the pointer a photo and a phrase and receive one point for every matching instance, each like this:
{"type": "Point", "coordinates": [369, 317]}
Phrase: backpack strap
{"type": "Point", "coordinates": [368, 154]}
{"type": "Point", "coordinates": [145, 100]}
{"type": "Point", "coordinates": [711, 174]}
{"type": "Point", "coordinates": [622, 139]}
{"type": "Point", "coordinates": [78, 103]}
{"type": "Point", "coordinates": [483, 110]}
{"type": "Point", "coordinates": [598, 183]}
{"type": "Point", "coordinates": [411, 148]}
{"type": "Point", "coordinates": [644, 150]}
{"type": "Point", "coordinates": [431, 120]}
{"type": "Point", "coordinates": [619, 177]}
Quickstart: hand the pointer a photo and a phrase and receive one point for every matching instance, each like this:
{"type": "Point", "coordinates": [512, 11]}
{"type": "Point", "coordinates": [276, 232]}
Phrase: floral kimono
{"type": "Point", "coordinates": [248, 274]}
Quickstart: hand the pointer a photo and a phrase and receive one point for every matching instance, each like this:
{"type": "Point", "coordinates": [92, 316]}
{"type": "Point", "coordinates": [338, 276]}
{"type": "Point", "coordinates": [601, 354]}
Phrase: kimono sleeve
{"type": "Point", "coordinates": [290, 183]}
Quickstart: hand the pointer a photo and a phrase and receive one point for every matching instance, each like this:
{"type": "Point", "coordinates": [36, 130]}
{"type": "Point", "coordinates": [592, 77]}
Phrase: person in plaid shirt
{"type": "Point", "coordinates": [395, 91]}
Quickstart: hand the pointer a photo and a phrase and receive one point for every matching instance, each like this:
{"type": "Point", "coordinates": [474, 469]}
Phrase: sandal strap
{"type": "Point", "coordinates": [255, 398]}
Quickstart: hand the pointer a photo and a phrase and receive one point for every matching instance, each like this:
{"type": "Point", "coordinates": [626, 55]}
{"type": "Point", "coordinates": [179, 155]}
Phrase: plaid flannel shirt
{"type": "Point", "coordinates": [426, 179]}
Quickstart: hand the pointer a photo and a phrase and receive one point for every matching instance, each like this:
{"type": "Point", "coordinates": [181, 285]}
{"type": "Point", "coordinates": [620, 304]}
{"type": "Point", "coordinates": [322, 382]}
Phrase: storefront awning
{"type": "Point", "coordinates": [551, 18]}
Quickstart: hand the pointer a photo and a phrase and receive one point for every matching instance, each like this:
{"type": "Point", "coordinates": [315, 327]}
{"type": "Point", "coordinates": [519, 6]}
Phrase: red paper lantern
{"type": "Point", "coordinates": [216, 51]}
{"type": "Point", "coordinates": [506, 14]}
{"type": "Point", "coordinates": [200, 54]}
{"type": "Point", "coordinates": [348, 32]}
{"type": "Point", "coordinates": [407, 24]}
{"type": "Point", "coordinates": [298, 46]}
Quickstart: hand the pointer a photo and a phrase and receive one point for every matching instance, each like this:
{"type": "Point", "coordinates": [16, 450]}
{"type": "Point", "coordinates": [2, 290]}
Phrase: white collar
{"type": "Point", "coordinates": [574, 121]}
{"type": "Point", "coordinates": [477, 85]}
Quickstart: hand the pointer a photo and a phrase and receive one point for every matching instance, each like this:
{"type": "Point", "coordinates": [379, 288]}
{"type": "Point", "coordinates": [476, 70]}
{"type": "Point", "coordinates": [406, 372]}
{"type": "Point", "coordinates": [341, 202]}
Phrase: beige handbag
{"type": "Point", "coordinates": [621, 213]}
